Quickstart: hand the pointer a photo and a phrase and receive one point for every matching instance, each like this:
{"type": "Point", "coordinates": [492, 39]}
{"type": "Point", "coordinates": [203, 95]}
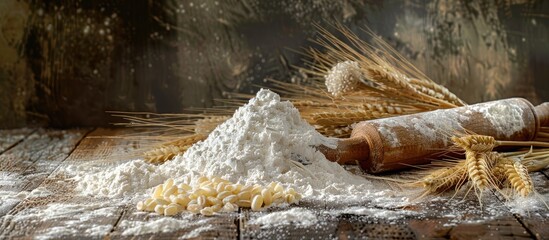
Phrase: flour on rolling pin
{"type": "Point", "coordinates": [505, 117]}
{"type": "Point", "coordinates": [417, 136]}
{"type": "Point", "coordinates": [421, 123]}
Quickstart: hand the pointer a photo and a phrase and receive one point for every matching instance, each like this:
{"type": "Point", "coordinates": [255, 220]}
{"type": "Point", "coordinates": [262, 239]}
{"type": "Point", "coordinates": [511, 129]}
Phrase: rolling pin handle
{"type": "Point", "coordinates": [542, 111]}
{"type": "Point", "coordinates": [348, 151]}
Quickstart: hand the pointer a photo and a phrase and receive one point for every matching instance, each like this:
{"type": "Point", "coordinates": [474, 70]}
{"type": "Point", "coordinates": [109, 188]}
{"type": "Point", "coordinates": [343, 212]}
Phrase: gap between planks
{"type": "Point", "coordinates": [33, 159]}
{"type": "Point", "coordinates": [97, 146]}
{"type": "Point", "coordinates": [9, 141]}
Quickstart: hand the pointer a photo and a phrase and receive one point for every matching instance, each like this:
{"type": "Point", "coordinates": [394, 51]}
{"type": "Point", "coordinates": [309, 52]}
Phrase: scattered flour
{"type": "Point", "coordinates": [72, 218]}
{"type": "Point", "coordinates": [11, 184]}
{"type": "Point", "coordinates": [39, 192]}
{"type": "Point", "coordinates": [526, 205]}
{"type": "Point", "coordinates": [294, 216]}
{"type": "Point", "coordinates": [539, 201]}
{"type": "Point", "coordinates": [36, 193]}
{"type": "Point", "coordinates": [168, 224]}
{"type": "Point", "coordinates": [376, 212]}
{"type": "Point", "coordinates": [56, 233]}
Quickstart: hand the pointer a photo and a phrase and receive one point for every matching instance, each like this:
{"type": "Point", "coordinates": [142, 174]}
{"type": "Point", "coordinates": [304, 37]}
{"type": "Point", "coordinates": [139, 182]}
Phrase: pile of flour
{"type": "Point", "coordinates": [265, 140]}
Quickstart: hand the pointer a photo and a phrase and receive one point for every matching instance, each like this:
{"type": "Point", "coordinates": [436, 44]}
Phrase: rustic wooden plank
{"type": "Point", "coordinates": [70, 215]}
{"type": "Point", "coordinates": [537, 222]}
{"type": "Point", "coordinates": [435, 223]}
{"type": "Point", "coordinates": [26, 165]}
{"type": "Point", "coordinates": [367, 227]}
{"type": "Point", "coordinates": [325, 228]}
{"type": "Point", "coordinates": [465, 219]}
{"type": "Point", "coordinates": [139, 225]}
{"type": "Point", "coordinates": [9, 138]}
{"type": "Point", "coordinates": [501, 228]}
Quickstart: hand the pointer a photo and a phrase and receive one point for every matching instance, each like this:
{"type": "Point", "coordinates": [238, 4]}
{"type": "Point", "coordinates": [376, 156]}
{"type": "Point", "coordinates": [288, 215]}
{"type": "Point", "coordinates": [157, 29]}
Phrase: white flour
{"type": "Point", "coordinates": [506, 117]}
{"type": "Point", "coordinates": [72, 219]}
{"type": "Point", "coordinates": [263, 142]}
{"type": "Point", "coordinates": [124, 180]}
{"type": "Point", "coordinates": [439, 130]}
{"type": "Point", "coordinates": [295, 216]}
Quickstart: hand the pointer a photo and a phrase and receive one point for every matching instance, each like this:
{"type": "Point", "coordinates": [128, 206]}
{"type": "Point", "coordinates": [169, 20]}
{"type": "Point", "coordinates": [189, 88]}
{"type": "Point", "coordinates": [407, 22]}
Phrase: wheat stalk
{"type": "Point", "coordinates": [444, 179]}
{"type": "Point", "coordinates": [437, 91]}
{"type": "Point", "coordinates": [478, 166]}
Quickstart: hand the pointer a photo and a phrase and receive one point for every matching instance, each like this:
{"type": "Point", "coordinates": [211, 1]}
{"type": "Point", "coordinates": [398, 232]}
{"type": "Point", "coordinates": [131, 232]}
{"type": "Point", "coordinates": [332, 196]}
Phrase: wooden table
{"type": "Point", "coordinates": [35, 157]}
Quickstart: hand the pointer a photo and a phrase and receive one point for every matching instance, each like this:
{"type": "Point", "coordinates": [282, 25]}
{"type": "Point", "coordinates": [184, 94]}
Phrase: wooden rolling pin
{"type": "Point", "coordinates": [394, 143]}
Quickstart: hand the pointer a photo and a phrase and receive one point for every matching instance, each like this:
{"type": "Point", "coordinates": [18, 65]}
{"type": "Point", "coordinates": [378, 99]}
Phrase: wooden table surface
{"type": "Point", "coordinates": [35, 157]}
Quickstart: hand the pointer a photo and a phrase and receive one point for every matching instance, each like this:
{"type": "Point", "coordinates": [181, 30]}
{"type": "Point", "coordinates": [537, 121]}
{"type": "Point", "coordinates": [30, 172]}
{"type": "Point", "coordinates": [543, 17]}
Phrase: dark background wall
{"type": "Point", "coordinates": [63, 63]}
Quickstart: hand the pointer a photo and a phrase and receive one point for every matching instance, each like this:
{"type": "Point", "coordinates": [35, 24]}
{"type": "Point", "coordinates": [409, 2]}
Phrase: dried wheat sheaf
{"type": "Point", "coordinates": [485, 169]}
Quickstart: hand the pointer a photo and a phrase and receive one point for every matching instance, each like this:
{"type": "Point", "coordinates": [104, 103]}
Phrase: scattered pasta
{"type": "Point", "coordinates": [211, 195]}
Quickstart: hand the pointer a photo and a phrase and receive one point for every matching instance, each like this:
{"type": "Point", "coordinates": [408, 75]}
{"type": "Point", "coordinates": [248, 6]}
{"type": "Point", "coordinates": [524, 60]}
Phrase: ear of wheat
{"type": "Point", "coordinates": [513, 174]}
{"type": "Point", "coordinates": [478, 165]}
{"type": "Point", "coordinates": [475, 143]}
{"type": "Point", "coordinates": [444, 179]}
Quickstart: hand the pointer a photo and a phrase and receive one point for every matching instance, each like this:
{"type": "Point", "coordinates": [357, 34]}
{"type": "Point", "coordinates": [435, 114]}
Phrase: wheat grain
{"type": "Point", "coordinates": [398, 84]}
{"type": "Point", "coordinates": [161, 154]}
{"type": "Point", "coordinates": [335, 131]}
{"type": "Point", "coordinates": [516, 175]}
{"type": "Point", "coordinates": [445, 179]}
{"type": "Point", "coordinates": [308, 103]}
{"type": "Point", "coordinates": [186, 140]}
{"type": "Point", "coordinates": [475, 143]}
{"type": "Point", "coordinates": [169, 199]}
{"type": "Point", "coordinates": [478, 169]}
{"type": "Point", "coordinates": [389, 79]}
{"type": "Point", "coordinates": [383, 109]}
{"type": "Point", "coordinates": [433, 89]}
{"type": "Point", "coordinates": [498, 171]}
